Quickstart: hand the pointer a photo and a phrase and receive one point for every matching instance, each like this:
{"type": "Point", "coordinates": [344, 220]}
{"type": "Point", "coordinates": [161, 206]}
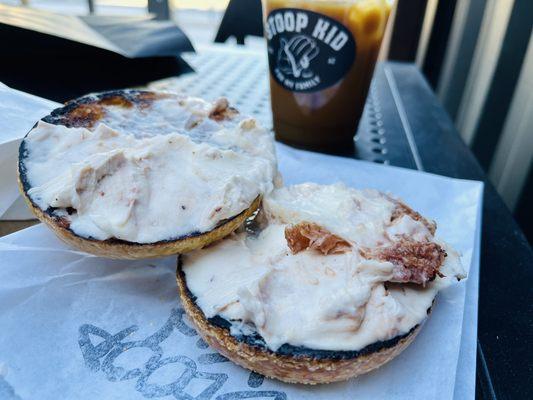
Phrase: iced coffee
{"type": "Point", "coordinates": [322, 55]}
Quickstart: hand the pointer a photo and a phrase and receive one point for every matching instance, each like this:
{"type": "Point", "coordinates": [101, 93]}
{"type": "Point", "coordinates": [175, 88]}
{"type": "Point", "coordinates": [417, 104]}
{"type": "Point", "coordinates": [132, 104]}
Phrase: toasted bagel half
{"type": "Point", "coordinates": [327, 283]}
{"type": "Point", "coordinates": [289, 363]}
{"type": "Point", "coordinates": [121, 249]}
{"type": "Point", "coordinates": [143, 115]}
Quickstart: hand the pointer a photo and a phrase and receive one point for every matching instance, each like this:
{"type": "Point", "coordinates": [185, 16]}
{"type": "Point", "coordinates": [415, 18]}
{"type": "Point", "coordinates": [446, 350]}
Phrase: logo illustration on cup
{"type": "Point", "coordinates": [308, 51]}
{"type": "Point", "coordinates": [294, 57]}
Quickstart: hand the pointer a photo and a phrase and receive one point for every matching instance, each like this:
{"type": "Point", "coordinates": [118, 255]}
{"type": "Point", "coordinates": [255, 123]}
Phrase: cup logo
{"type": "Point", "coordinates": [308, 51]}
{"type": "Point", "coordinates": [295, 56]}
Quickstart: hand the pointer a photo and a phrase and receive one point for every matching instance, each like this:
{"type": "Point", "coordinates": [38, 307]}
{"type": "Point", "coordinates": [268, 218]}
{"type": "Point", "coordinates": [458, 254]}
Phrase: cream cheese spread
{"type": "Point", "coordinates": [327, 302]}
{"type": "Point", "coordinates": [149, 176]}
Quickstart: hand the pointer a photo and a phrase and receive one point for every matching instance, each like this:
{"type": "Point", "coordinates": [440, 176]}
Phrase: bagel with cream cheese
{"type": "Point", "coordinates": [138, 174]}
{"type": "Point", "coordinates": [326, 284]}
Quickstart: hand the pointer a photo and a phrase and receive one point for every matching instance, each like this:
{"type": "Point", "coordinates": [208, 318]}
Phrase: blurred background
{"type": "Point", "coordinates": [477, 55]}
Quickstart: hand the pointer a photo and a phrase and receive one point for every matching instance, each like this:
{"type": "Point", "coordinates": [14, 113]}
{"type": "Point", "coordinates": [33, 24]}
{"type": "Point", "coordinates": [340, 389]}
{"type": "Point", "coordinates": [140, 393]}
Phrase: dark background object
{"type": "Point", "coordinates": [242, 18]}
{"type": "Point", "coordinates": [406, 29]}
{"type": "Point", "coordinates": [62, 57]}
{"type": "Point", "coordinates": [524, 211]}
{"type": "Point", "coordinates": [473, 17]}
{"type": "Point", "coordinates": [436, 50]}
{"type": "Point", "coordinates": [500, 96]}
{"type": "Point", "coordinates": [137, 37]}
{"type": "Point", "coordinates": [159, 8]}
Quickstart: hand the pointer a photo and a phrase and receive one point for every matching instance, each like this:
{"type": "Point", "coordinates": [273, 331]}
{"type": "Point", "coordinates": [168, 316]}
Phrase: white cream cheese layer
{"type": "Point", "coordinates": [328, 302]}
{"type": "Point", "coordinates": [155, 176]}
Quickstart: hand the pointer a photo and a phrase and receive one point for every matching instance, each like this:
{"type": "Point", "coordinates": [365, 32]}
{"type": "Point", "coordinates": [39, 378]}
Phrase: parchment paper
{"type": "Point", "coordinates": [18, 113]}
{"type": "Point", "coordinates": [80, 327]}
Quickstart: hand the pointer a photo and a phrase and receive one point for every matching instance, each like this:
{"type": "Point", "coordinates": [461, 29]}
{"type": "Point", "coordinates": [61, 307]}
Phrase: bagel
{"type": "Point", "coordinates": [137, 174]}
{"type": "Point", "coordinates": [327, 283]}
{"type": "Point", "coordinates": [289, 364]}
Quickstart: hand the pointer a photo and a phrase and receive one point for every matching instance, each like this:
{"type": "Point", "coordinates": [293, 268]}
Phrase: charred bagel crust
{"type": "Point", "coordinates": [294, 364]}
{"type": "Point", "coordinates": [120, 249]}
{"type": "Point", "coordinates": [84, 112]}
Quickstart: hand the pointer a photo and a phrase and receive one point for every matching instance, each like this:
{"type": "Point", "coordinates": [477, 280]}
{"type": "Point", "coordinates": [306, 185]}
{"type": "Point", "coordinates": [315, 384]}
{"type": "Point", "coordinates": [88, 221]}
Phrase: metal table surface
{"type": "Point", "coordinates": [404, 125]}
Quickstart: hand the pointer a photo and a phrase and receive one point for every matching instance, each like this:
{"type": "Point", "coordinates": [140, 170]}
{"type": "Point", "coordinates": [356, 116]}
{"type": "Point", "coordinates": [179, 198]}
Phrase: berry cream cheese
{"type": "Point", "coordinates": [150, 172]}
{"type": "Point", "coordinates": [333, 268]}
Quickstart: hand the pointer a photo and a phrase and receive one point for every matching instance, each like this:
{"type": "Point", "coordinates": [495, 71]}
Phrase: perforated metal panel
{"type": "Point", "coordinates": [242, 77]}
{"type": "Point", "coordinates": [371, 138]}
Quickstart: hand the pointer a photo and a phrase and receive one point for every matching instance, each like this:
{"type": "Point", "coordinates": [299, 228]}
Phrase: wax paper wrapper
{"type": "Point", "coordinates": [76, 326]}
{"type": "Point", "coordinates": [19, 111]}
